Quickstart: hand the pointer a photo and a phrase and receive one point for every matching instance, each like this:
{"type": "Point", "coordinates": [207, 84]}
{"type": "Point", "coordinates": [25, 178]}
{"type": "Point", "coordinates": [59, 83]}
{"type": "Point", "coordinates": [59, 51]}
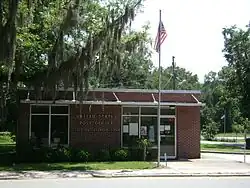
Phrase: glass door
{"type": "Point", "coordinates": [167, 130]}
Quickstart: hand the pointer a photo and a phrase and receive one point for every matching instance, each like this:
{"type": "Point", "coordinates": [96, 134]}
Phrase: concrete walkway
{"type": "Point", "coordinates": [209, 165]}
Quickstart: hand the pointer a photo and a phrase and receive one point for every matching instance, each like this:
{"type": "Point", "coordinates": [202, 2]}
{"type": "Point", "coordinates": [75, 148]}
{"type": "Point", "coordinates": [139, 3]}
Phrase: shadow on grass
{"type": "Point", "coordinates": [47, 167]}
{"type": "Point", "coordinates": [77, 166]}
{"type": "Point", "coordinates": [6, 148]}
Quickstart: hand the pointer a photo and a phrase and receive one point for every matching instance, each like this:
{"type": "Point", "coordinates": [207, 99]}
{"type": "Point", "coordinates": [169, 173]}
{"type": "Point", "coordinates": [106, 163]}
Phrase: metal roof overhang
{"type": "Point", "coordinates": [115, 90]}
{"type": "Point", "coordinates": [124, 103]}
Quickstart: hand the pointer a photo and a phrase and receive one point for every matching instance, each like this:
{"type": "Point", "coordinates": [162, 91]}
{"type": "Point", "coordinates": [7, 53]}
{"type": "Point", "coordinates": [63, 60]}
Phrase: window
{"type": "Point", "coordinates": [149, 129]}
{"type": "Point", "coordinates": [130, 110]}
{"type": "Point", "coordinates": [149, 111]}
{"type": "Point", "coordinates": [39, 109]}
{"type": "Point", "coordinates": [130, 130]}
{"type": "Point", "coordinates": [49, 125]}
{"type": "Point", "coordinates": [59, 130]}
{"type": "Point", "coordinates": [40, 130]}
{"type": "Point", "coordinates": [141, 122]}
{"type": "Point", "coordinates": [168, 111]}
{"type": "Point", "coordinates": [59, 110]}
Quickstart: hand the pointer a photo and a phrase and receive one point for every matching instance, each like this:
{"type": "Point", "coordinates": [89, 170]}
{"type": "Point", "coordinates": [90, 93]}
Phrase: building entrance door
{"type": "Point", "coordinates": [168, 137]}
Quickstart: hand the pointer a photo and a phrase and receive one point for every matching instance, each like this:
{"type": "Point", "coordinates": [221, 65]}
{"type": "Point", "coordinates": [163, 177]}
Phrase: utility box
{"type": "Point", "coordinates": [247, 143]}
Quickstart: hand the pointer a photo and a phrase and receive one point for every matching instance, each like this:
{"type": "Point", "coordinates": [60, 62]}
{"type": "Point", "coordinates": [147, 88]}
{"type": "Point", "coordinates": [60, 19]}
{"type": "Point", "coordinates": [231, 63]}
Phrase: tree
{"type": "Point", "coordinates": [209, 130]}
{"type": "Point", "coordinates": [67, 60]}
{"type": "Point", "coordinates": [237, 53]}
{"type": "Point", "coordinates": [59, 43]}
{"type": "Point", "coordinates": [184, 79]}
{"type": "Point", "coordinates": [238, 128]}
{"type": "Point", "coordinates": [135, 65]}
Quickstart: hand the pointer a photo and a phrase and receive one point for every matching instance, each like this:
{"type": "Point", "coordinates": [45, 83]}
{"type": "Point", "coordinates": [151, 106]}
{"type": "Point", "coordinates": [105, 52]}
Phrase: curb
{"type": "Point", "coordinates": [138, 176]}
{"type": "Point", "coordinates": [170, 175]}
{"type": "Point", "coordinates": [223, 152]}
{"type": "Point", "coordinates": [45, 177]}
{"type": "Point", "coordinates": [10, 178]}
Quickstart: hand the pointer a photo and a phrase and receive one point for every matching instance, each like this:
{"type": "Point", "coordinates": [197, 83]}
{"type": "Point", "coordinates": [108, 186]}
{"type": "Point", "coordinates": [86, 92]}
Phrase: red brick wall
{"type": "Point", "coordinates": [99, 126]}
{"type": "Point", "coordinates": [188, 132]}
{"type": "Point", "coordinates": [23, 126]}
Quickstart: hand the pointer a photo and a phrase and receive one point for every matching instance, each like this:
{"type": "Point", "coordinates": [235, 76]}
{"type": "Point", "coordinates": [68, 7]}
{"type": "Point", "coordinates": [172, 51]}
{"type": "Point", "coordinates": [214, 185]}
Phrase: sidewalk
{"type": "Point", "coordinates": [209, 165]}
{"type": "Point", "coordinates": [5, 175]}
{"type": "Point", "coordinates": [161, 172]}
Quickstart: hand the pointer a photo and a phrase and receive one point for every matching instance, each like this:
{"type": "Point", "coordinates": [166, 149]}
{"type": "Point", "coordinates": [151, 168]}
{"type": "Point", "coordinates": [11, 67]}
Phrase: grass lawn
{"type": "Point", "coordinates": [5, 148]}
{"type": "Point", "coordinates": [222, 148]}
{"type": "Point", "coordinates": [231, 135]}
{"type": "Point", "coordinates": [80, 166]}
{"type": "Point", "coordinates": [6, 144]}
{"type": "Point", "coordinates": [5, 139]}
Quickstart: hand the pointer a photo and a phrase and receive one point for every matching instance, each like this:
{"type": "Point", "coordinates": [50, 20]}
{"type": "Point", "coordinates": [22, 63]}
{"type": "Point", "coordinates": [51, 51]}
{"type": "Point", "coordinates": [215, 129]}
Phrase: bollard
{"type": "Point", "coordinates": [165, 157]}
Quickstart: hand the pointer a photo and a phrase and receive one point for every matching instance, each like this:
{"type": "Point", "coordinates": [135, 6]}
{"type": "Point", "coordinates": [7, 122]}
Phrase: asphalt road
{"type": "Point", "coordinates": [243, 182]}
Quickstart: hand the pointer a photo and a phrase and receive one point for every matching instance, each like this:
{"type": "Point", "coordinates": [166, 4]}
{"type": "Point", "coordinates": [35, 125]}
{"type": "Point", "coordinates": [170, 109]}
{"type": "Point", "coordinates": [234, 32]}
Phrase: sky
{"type": "Point", "coordinates": [194, 29]}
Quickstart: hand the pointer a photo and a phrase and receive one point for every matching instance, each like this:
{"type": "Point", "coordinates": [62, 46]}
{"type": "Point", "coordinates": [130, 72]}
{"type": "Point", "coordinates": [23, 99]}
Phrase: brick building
{"type": "Point", "coordinates": [112, 118]}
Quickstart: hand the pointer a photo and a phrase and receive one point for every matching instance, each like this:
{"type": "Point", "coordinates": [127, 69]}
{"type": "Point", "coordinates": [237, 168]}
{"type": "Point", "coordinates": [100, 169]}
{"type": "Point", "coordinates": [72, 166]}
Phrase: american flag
{"type": "Point", "coordinates": [163, 34]}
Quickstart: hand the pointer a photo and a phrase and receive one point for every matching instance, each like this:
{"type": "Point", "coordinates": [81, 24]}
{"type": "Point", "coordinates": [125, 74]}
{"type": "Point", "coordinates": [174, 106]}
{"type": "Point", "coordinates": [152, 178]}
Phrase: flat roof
{"type": "Point", "coordinates": [128, 90]}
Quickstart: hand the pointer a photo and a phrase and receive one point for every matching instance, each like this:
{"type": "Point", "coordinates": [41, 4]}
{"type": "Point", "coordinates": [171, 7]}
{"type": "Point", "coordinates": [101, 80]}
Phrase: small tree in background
{"type": "Point", "coordinates": [144, 143]}
{"type": "Point", "coordinates": [237, 129]}
{"type": "Point", "coordinates": [246, 123]}
{"type": "Point", "coordinates": [209, 130]}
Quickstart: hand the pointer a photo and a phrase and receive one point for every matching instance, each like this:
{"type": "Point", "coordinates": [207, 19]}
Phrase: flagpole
{"type": "Point", "coordinates": [159, 95]}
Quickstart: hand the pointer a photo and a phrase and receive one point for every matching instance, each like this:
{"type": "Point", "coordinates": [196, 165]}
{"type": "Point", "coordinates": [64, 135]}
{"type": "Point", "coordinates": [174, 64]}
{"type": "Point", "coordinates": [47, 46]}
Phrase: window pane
{"type": "Point", "coordinates": [130, 130]}
{"type": "Point", "coordinates": [130, 110]}
{"type": "Point", "coordinates": [39, 109]}
{"type": "Point", "coordinates": [149, 111]}
{"type": "Point", "coordinates": [168, 111]}
{"type": "Point", "coordinates": [149, 129]}
{"type": "Point", "coordinates": [40, 130]}
{"type": "Point", "coordinates": [168, 136]}
{"type": "Point", "coordinates": [59, 109]}
{"type": "Point", "coordinates": [59, 130]}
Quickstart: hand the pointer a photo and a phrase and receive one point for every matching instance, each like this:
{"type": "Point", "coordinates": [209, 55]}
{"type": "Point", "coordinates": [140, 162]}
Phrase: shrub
{"type": "Point", "coordinates": [135, 154]}
{"type": "Point", "coordinates": [210, 130]}
{"type": "Point", "coordinates": [103, 155]}
{"type": "Point", "coordinates": [7, 158]}
{"type": "Point", "coordinates": [13, 138]}
{"type": "Point", "coordinates": [120, 155]}
{"type": "Point", "coordinates": [7, 138]}
{"type": "Point", "coordinates": [144, 144]}
{"type": "Point", "coordinates": [63, 154]}
{"type": "Point", "coordinates": [82, 156]}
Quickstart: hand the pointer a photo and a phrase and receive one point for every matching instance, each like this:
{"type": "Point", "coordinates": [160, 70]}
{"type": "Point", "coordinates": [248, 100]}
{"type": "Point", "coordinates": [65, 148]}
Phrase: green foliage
{"type": "Point", "coordinates": [70, 43]}
{"type": "Point", "coordinates": [219, 100]}
{"type": "Point", "coordinates": [237, 53]}
{"type": "Point", "coordinates": [82, 156]}
{"type": "Point", "coordinates": [103, 155]}
{"type": "Point", "coordinates": [62, 154]}
{"type": "Point", "coordinates": [238, 128]}
{"type": "Point", "coordinates": [210, 130]}
{"type": "Point", "coordinates": [120, 155]}
{"type": "Point", "coordinates": [7, 138]}
{"type": "Point", "coordinates": [246, 123]}
{"type": "Point", "coordinates": [144, 144]}
{"type": "Point", "coordinates": [183, 79]}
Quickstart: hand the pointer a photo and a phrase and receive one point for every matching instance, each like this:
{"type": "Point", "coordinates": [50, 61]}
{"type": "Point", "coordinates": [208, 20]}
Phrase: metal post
{"type": "Point", "coordinates": [165, 157]}
{"type": "Point", "coordinates": [245, 136]}
{"type": "Point", "coordinates": [159, 95]}
{"type": "Point", "coordinates": [224, 123]}
{"type": "Point", "coordinates": [173, 66]}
